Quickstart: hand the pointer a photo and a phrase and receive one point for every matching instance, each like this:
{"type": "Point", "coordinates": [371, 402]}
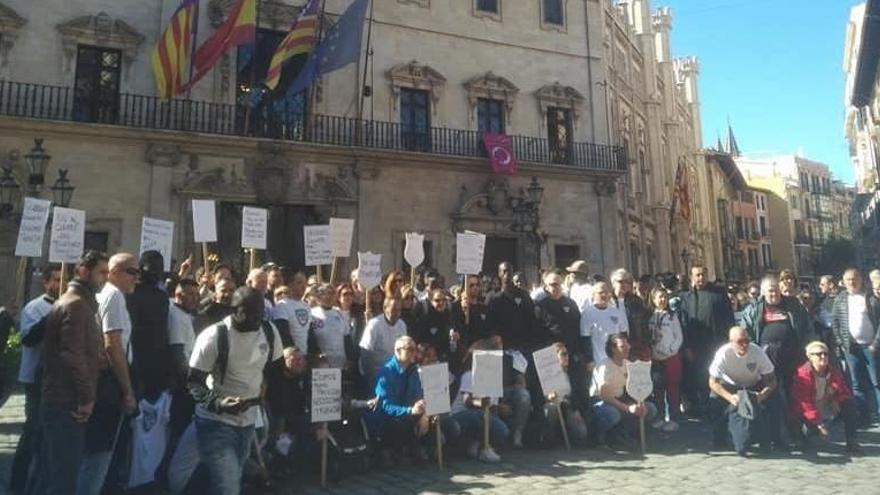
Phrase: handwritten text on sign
{"type": "Point", "coordinates": [157, 235]}
{"type": "Point", "coordinates": [341, 230]}
{"type": "Point", "coordinates": [369, 269]}
{"type": "Point", "coordinates": [253, 227]}
{"type": "Point", "coordinates": [68, 235]}
{"type": "Point", "coordinates": [469, 249]}
{"type": "Point", "coordinates": [326, 395]}
{"type": "Point", "coordinates": [204, 220]}
{"type": "Point", "coordinates": [487, 374]}
{"type": "Point", "coordinates": [638, 380]}
{"type": "Point", "coordinates": [435, 387]}
{"type": "Point", "coordinates": [550, 372]}
{"type": "Point", "coordinates": [33, 227]}
{"type": "Point", "coordinates": [318, 248]}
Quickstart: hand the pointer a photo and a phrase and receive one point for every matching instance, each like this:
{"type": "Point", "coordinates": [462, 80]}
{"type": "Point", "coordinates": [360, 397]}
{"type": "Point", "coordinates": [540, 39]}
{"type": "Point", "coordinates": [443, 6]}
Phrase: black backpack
{"type": "Point", "coordinates": [223, 347]}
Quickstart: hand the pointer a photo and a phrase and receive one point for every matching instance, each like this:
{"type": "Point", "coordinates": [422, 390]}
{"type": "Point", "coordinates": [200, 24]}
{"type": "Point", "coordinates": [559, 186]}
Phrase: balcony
{"type": "Point", "coordinates": [58, 103]}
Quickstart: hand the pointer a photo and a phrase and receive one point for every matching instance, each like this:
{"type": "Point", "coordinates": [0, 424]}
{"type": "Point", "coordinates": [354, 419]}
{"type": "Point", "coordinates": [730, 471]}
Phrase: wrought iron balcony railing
{"type": "Point", "coordinates": [274, 121]}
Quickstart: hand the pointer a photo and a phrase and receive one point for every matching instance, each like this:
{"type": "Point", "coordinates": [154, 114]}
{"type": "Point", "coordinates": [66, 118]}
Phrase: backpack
{"type": "Point", "coordinates": [223, 347]}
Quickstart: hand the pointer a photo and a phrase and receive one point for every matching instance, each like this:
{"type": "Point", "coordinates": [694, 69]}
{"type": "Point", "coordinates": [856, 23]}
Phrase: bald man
{"type": "Point", "coordinates": [109, 408]}
{"type": "Point", "coordinates": [743, 385]}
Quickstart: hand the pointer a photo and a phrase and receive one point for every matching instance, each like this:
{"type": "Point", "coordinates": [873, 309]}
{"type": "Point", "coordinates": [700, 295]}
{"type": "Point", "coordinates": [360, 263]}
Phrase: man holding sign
{"type": "Point", "coordinates": [615, 411]}
{"type": "Point", "coordinates": [400, 418]}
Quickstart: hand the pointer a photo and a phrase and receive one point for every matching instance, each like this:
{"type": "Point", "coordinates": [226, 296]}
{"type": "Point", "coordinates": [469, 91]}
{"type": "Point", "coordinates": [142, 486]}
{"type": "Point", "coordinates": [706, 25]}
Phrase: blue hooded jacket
{"type": "Point", "coordinates": [397, 389]}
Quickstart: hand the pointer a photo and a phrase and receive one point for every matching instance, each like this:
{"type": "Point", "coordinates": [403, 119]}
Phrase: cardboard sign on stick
{"type": "Point", "coordinates": [435, 388]}
{"type": "Point", "coordinates": [318, 247]}
{"type": "Point", "coordinates": [254, 227]}
{"type": "Point", "coordinates": [369, 269]}
{"type": "Point", "coordinates": [158, 235]}
{"type": "Point", "coordinates": [638, 380]}
{"type": "Point", "coordinates": [341, 231]}
{"type": "Point", "coordinates": [488, 373]}
{"type": "Point", "coordinates": [326, 395]}
{"type": "Point", "coordinates": [469, 253]}
{"type": "Point", "coordinates": [68, 235]}
{"type": "Point", "coordinates": [550, 373]}
{"type": "Point", "coordinates": [204, 220]}
{"type": "Point", "coordinates": [34, 216]}
{"type": "Point", "coordinates": [414, 251]}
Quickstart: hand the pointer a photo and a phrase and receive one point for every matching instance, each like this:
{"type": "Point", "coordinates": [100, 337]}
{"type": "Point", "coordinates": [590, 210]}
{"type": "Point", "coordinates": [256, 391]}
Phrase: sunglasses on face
{"type": "Point", "coordinates": [132, 271]}
{"type": "Point", "coordinates": [407, 348]}
{"type": "Point", "coordinates": [819, 354]}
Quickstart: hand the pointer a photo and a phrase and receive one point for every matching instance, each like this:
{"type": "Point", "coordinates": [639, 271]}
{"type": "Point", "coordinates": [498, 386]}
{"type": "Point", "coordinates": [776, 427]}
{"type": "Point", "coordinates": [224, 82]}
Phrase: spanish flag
{"type": "Point", "coordinates": [300, 40]}
{"type": "Point", "coordinates": [170, 57]}
{"type": "Point", "coordinates": [238, 29]}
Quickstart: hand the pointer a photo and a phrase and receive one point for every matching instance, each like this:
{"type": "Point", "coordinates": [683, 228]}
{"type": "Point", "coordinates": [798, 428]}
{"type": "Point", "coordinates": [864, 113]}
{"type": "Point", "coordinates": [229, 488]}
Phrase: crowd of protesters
{"type": "Point", "coordinates": [134, 377]}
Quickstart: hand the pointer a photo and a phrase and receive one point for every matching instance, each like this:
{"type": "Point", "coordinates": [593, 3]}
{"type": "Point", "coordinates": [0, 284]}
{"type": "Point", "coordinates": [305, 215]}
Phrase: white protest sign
{"type": "Point", "coordinates": [638, 380]}
{"type": "Point", "coordinates": [318, 248]}
{"type": "Point", "coordinates": [414, 251]}
{"type": "Point", "coordinates": [487, 374]}
{"type": "Point", "coordinates": [435, 388]}
{"type": "Point", "coordinates": [157, 235]}
{"type": "Point", "coordinates": [68, 235]}
{"type": "Point", "coordinates": [341, 231]}
{"type": "Point", "coordinates": [326, 395]}
{"type": "Point", "coordinates": [550, 373]}
{"type": "Point", "coordinates": [254, 228]}
{"type": "Point", "coordinates": [34, 216]}
{"type": "Point", "coordinates": [204, 220]}
{"type": "Point", "coordinates": [469, 249]}
{"type": "Point", "coordinates": [369, 269]}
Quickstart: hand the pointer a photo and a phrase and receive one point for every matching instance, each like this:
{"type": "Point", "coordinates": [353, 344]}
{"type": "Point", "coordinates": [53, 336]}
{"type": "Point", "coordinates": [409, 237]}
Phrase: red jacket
{"type": "Point", "coordinates": [803, 393]}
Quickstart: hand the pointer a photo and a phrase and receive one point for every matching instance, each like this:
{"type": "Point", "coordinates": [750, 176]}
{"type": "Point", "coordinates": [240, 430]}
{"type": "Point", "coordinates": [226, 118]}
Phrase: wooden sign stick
{"type": "Point", "coordinates": [486, 418]}
{"type": "Point", "coordinates": [324, 455]}
{"type": "Point", "coordinates": [439, 442]}
{"type": "Point", "coordinates": [642, 428]}
{"type": "Point", "coordinates": [333, 271]}
{"type": "Point", "coordinates": [62, 287]}
{"type": "Point", "coordinates": [253, 258]}
{"type": "Point", "coordinates": [564, 428]}
{"type": "Point", "coordinates": [205, 254]}
{"type": "Point", "coordinates": [412, 277]}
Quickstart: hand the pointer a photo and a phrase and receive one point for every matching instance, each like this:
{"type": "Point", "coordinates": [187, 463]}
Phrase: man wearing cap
{"type": "Point", "coordinates": [581, 289]}
{"type": "Point", "coordinates": [819, 394]}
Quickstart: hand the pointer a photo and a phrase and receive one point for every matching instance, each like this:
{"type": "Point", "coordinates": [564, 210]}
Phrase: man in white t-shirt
{"type": "Point", "coordinates": [377, 342]}
{"type": "Point", "coordinates": [292, 316]}
{"type": "Point", "coordinates": [101, 434]}
{"type": "Point", "coordinates": [330, 329]}
{"type": "Point", "coordinates": [601, 320]}
{"type": "Point", "coordinates": [743, 384]}
{"type": "Point", "coordinates": [225, 412]}
{"type": "Point", "coordinates": [612, 406]}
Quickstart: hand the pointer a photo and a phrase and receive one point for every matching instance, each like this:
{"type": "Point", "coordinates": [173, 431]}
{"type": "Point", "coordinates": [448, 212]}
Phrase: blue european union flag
{"type": "Point", "coordinates": [340, 46]}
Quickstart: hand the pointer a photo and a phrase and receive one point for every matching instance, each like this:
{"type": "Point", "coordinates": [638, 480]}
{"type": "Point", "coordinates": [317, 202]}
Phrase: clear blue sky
{"type": "Point", "coordinates": [774, 67]}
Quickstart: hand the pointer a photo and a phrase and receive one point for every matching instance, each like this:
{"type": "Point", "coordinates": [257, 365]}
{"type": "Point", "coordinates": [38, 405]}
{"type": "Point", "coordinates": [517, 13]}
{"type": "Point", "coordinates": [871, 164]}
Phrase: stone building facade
{"type": "Point", "coordinates": [654, 113]}
{"type": "Point", "coordinates": [441, 72]}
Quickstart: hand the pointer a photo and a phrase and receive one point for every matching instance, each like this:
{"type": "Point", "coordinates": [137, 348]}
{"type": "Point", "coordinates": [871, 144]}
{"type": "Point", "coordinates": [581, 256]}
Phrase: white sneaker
{"type": "Point", "coordinates": [489, 455]}
{"type": "Point", "coordinates": [517, 439]}
{"type": "Point", "coordinates": [473, 450]}
{"type": "Point", "coordinates": [658, 423]}
{"type": "Point", "coordinates": [670, 426]}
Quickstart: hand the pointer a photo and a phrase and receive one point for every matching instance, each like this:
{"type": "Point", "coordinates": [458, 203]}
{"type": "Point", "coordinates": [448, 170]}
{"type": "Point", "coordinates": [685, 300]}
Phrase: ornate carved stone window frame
{"type": "Point", "coordinates": [274, 15]}
{"type": "Point", "coordinates": [492, 87]}
{"type": "Point", "coordinates": [549, 26]}
{"type": "Point", "coordinates": [559, 96]}
{"type": "Point", "coordinates": [103, 31]}
{"type": "Point", "coordinates": [484, 14]}
{"type": "Point", "coordinates": [10, 23]}
{"type": "Point", "coordinates": [415, 75]}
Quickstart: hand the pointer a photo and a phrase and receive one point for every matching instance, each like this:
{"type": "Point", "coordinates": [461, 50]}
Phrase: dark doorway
{"type": "Point", "coordinates": [285, 236]}
{"type": "Point", "coordinates": [499, 249]}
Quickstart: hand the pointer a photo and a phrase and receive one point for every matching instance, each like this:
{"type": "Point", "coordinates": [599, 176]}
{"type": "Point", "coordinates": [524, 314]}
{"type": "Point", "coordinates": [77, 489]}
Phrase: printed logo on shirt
{"type": "Point", "coordinates": [319, 324]}
{"type": "Point", "coordinates": [151, 417]}
{"type": "Point", "coordinates": [614, 319]}
{"type": "Point", "coordinates": [752, 366]}
{"type": "Point", "coordinates": [566, 309]}
{"type": "Point", "coordinates": [483, 317]}
{"type": "Point", "coordinates": [302, 316]}
{"type": "Point", "coordinates": [433, 331]}
{"type": "Point", "coordinates": [517, 300]}
{"type": "Point", "coordinates": [264, 348]}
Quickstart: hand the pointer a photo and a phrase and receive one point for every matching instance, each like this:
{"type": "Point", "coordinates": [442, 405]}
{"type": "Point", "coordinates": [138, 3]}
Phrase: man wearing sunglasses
{"type": "Point", "coordinates": [819, 394]}
{"type": "Point", "coordinates": [742, 376]}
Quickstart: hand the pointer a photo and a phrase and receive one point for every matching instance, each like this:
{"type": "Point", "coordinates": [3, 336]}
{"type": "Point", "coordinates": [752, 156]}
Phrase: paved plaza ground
{"type": "Point", "coordinates": [676, 463]}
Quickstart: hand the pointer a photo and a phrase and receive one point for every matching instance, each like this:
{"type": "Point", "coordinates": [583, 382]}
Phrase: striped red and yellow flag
{"type": "Point", "coordinates": [239, 28]}
{"type": "Point", "coordinates": [171, 55]}
{"type": "Point", "coordinates": [301, 39]}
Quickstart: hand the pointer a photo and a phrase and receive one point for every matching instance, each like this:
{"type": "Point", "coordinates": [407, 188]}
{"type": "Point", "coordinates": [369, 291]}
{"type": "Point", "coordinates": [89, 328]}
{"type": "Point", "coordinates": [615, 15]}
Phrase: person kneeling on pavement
{"type": "Point", "coordinates": [616, 414]}
{"type": "Point", "coordinates": [744, 398]}
{"type": "Point", "coordinates": [819, 395]}
{"type": "Point", "coordinates": [399, 419]}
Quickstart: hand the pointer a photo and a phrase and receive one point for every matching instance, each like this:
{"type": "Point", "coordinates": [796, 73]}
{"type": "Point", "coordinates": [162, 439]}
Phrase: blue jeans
{"type": "Point", "coordinates": [223, 450]}
{"type": "Point", "coordinates": [859, 358]}
{"type": "Point", "coordinates": [63, 445]}
{"type": "Point", "coordinates": [607, 416]}
{"type": "Point", "coordinates": [521, 403]}
{"type": "Point", "coordinates": [471, 423]}
{"type": "Point", "coordinates": [93, 472]}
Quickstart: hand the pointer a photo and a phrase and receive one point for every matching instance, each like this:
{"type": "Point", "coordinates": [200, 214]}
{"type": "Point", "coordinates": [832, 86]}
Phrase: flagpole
{"type": "Point", "coordinates": [247, 113]}
{"type": "Point", "coordinates": [310, 92]}
{"type": "Point", "coordinates": [367, 58]}
{"type": "Point", "coordinates": [192, 49]}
